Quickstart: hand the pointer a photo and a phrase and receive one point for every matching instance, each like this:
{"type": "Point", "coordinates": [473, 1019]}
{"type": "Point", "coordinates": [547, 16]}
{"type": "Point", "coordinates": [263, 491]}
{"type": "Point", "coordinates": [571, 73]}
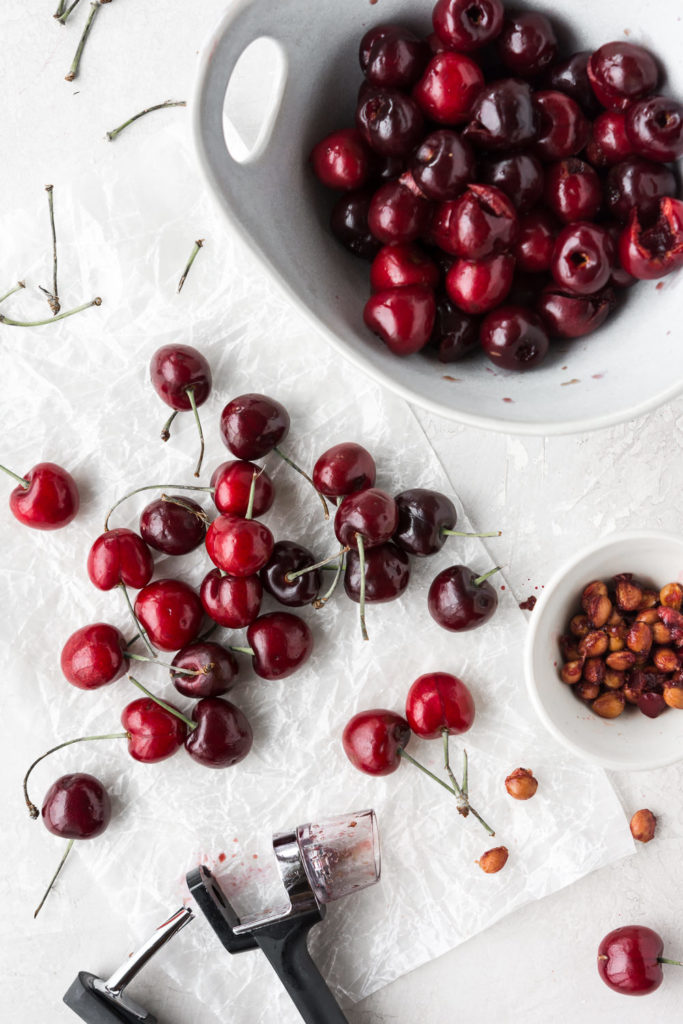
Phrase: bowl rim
{"type": "Point", "coordinates": [614, 764]}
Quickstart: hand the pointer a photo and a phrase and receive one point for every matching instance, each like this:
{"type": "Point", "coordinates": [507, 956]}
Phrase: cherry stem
{"type": "Point", "coordinates": [190, 395]}
{"type": "Point", "coordinates": [465, 777]}
{"type": "Point", "coordinates": [663, 960]}
{"type": "Point", "coordinates": [252, 494]}
{"type": "Point", "coordinates": [462, 800]}
{"type": "Point", "coordinates": [162, 704]}
{"type": "Point", "coordinates": [53, 296]}
{"type": "Point", "coordinates": [154, 487]}
{"type": "Point", "coordinates": [291, 576]}
{"type": "Point", "coordinates": [461, 533]}
{"type": "Point", "coordinates": [163, 664]}
{"type": "Point", "coordinates": [142, 632]}
{"type": "Point", "coordinates": [243, 650]}
{"type": "Point", "coordinates": [60, 9]}
{"type": "Point", "coordinates": [33, 810]}
{"type": "Point", "coordinates": [166, 429]}
{"type": "Point", "coordinates": [299, 470]}
{"type": "Point", "coordinates": [20, 479]}
{"type": "Point", "coordinates": [54, 878]}
{"type": "Point", "coordinates": [75, 64]}
{"type": "Point", "coordinates": [52, 320]}
{"type": "Point", "coordinates": [322, 601]}
{"type": "Point", "coordinates": [361, 564]}
{"type": "Point", "coordinates": [63, 17]}
{"type": "Point", "coordinates": [445, 785]}
{"type": "Point", "coordinates": [197, 245]}
{"type": "Point", "coordinates": [480, 579]}
{"type": "Point", "coordinates": [148, 110]}
{"type": "Point", "coordinates": [18, 286]}
{"type": "Point", "coordinates": [199, 513]}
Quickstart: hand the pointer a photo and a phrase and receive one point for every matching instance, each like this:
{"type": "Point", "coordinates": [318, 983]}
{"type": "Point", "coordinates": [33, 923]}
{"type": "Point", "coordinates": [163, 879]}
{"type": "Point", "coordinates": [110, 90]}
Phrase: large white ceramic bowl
{"type": "Point", "coordinates": [633, 364]}
{"type": "Point", "coordinates": [630, 741]}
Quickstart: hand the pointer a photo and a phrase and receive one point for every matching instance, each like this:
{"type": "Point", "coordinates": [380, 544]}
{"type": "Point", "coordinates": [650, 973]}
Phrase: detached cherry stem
{"type": "Point", "coordinates": [62, 19]}
{"type": "Point", "coordinates": [138, 624]}
{"type": "Point", "coordinates": [32, 809]}
{"type": "Point", "coordinates": [193, 255]}
{"type": "Point", "coordinates": [75, 64]}
{"type": "Point", "coordinates": [60, 9]}
{"type": "Point", "coordinates": [463, 807]}
{"type": "Point", "coordinates": [285, 458]}
{"type": "Point", "coordinates": [404, 754]}
{"type": "Point", "coordinates": [190, 395]}
{"type": "Point", "coordinates": [291, 576]}
{"type": "Point", "coordinates": [54, 878]}
{"type": "Point", "coordinates": [17, 288]}
{"type": "Point", "coordinates": [361, 565]}
{"type": "Point", "coordinates": [463, 533]}
{"type": "Point", "coordinates": [154, 487]}
{"type": "Point", "coordinates": [480, 579]}
{"type": "Point", "coordinates": [53, 296]}
{"type": "Point", "coordinates": [148, 110]}
{"type": "Point", "coordinates": [53, 320]}
{"type": "Point", "coordinates": [162, 704]}
{"type": "Point", "coordinates": [15, 476]}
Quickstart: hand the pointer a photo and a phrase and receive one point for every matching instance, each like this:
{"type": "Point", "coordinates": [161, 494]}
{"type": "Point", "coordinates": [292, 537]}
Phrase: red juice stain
{"type": "Point", "coordinates": [221, 857]}
{"type": "Point", "coordinates": [597, 376]}
{"type": "Point", "coordinates": [446, 376]}
{"type": "Point", "coordinates": [502, 586]}
{"type": "Point", "coordinates": [255, 856]}
{"type": "Point", "coordinates": [529, 604]}
{"type": "Point", "coordinates": [659, 286]}
{"type": "Point", "coordinates": [511, 400]}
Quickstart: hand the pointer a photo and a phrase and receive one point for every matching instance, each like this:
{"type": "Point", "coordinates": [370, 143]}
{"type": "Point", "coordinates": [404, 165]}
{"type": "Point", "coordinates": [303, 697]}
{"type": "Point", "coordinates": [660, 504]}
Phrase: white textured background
{"type": "Point", "coordinates": [548, 496]}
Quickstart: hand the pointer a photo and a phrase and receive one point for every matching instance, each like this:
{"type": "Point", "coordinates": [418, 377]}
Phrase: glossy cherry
{"type": "Point", "coordinates": [232, 483]}
{"type": "Point", "coordinates": [651, 704]}
{"type": "Point", "coordinates": [572, 190]}
{"type": "Point", "coordinates": [181, 377]}
{"type": "Point", "coordinates": [503, 116]}
{"type": "Point", "coordinates": [527, 44]}
{"type": "Point", "coordinates": [397, 215]}
{"type": "Point", "coordinates": [571, 77]}
{"type": "Point", "coordinates": [583, 258]}
{"type": "Point", "coordinates": [514, 338]}
{"type": "Point", "coordinates": [389, 122]}
{"type": "Point", "coordinates": [439, 702]}
{"type": "Point", "coordinates": [448, 88]}
{"type": "Point", "coordinates": [215, 669]}
{"type": "Point", "coordinates": [371, 513]}
{"type": "Point", "coordinates": [424, 517]}
{"type": "Point", "coordinates": [280, 644]}
{"type": "Point", "coordinates": [467, 25]}
{"type": "Point", "coordinates": [477, 286]}
{"type": "Point", "coordinates": [655, 128]}
{"type": "Point", "coordinates": [608, 143]}
{"type": "Point", "coordinates": [173, 524]}
{"type": "Point", "coordinates": [459, 600]}
{"type": "Point", "coordinates": [46, 497]}
{"type": "Point", "coordinates": [402, 317]}
{"type": "Point", "coordinates": [518, 175]}
{"type": "Point", "coordinates": [567, 315]}
{"type": "Point", "coordinates": [372, 741]}
{"type": "Point", "coordinates": [154, 733]}
{"type": "Point", "coordinates": [455, 334]}
{"type": "Point", "coordinates": [231, 601]}
{"type": "Point", "coordinates": [563, 128]}
{"type": "Point", "coordinates": [94, 656]}
{"type": "Point", "coordinates": [349, 223]}
{"type": "Point", "coordinates": [237, 545]}
{"type": "Point", "coordinates": [630, 960]}
{"type": "Point", "coordinates": [341, 160]}
{"type": "Point", "coordinates": [484, 223]}
{"type": "Point", "coordinates": [393, 57]}
{"type": "Point", "coordinates": [222, 737]}
{"type": "Point", "coordinates": [288, 557]}
{"type": "Point", "coordinates": [397, 266]}
{"type": "Point", "coordinates": [387, 574]}
{"type": "Point", "coordinates": [536, 243]}
{"type": "Point", "coordinates": [442, 165]}
{"type": "Point", "coordinates": [637, 182]}
{"type": "Point", "coordinates": [620, 73]}
{"type": "Point", "coordinates": [120, 557]}
{"type": "Point", "coordinates": [652, 248]}
{"type": "Point", "coordinates": [252, 425]}
{"type": "Point", "coordinates": [170, 612]}
{"type": "Point", "coordinates": [344, 469]}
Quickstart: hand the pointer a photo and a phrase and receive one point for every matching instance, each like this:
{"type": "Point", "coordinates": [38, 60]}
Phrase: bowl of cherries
{"type": "Point", "coordinates": [605, 648]}
{"type": "Point", "coordinates": [477, 205]}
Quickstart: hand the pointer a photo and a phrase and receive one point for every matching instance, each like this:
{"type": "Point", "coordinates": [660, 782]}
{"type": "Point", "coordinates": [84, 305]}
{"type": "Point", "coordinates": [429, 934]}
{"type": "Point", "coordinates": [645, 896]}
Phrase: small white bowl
{"type": "Point", "coordinates": [632, 741]}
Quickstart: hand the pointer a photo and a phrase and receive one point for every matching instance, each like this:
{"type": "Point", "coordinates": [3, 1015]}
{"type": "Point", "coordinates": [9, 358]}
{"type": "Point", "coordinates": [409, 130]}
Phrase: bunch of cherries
{"type": "Point", "coordinates": [504, 195]}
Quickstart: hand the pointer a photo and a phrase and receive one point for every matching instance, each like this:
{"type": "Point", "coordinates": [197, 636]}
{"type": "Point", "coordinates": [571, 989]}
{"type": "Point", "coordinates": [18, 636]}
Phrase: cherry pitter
{"type": "Point", "coordinates": [318, 863]}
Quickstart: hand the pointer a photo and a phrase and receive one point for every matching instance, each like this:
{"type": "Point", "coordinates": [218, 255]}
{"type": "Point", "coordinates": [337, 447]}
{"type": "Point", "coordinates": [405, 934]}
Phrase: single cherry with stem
{"type": "Point", "coordinates": [232, 483]}
{"type": "Point", "coordinates": [630, 960]}
{"type": "Point", "coordinates": [459, 600]}
{"type": "Point", "coordinates": [239, 545]}
{"type": "Point", "coordinates": [384, 578]}
{"type": "Point", "coordinates": [120, 558]}
{"type": "Point", "coordinates": [231, 601]}
{"type": "Point", "coordinates": [291, 575]}
{"type": "Point", "coordinates": [46, 497]}
{"type": "Point", "coordinates": [181, 377]}
{"type": "Point", "coordinates": [173, 524]}
{"type": "Point", "coordinates": [426, 519]}
{"type": "Point", "coordinates": [279, 643]}
{"type": "Point", "coordinates": [204, 669]}
{"type": "Point", "coordinates": [344, 469]}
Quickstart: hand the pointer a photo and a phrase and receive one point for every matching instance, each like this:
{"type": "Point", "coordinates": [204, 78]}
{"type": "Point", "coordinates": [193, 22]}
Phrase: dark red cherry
{"type": "Point", "coordinates": [608, 143]}
{"type": "Point", "coordinates": [526, 287]}
{"type": "Point", "coordinates": [402, 317]}
{"type": "Point", "coordinates": [629, 960]}
{"type": "Point", "coordinates": [231, 601]}
{"type": "Point", "coordinates": [503, 116]}
{"type": "Point", "coordinates": [439, 701]}
{"type": "Point", "coordinates": [536, 242]}
{"type": "Point", "coordinates": [389, 122]}
{"type": "Point", "coordinates": [640, 183]}
{"type": "Point", "coordinates": [442, 165]}
{"type": "Point", "coordinates": [341, 160]}
{"type": "Point", "coordinates": [238, 546]}
{"type": "Point", "coordinates": [459, 600]}
{"type": "Point", "coordinates": [120, 556]}
{"type": "Point", "coordinates": [456, 334]}
{"type": "Point", "coordinates": [448, 88]}
{"type": "Point", "coordinates": [174, 369]}
{"type": "Point", "coordinates": [619, 278]}
{"type": "Point", "coordinates": [583, 258]}
{"type": "Point", "coordinates": [349, 223]}
{"type": "Point", "coordinates": [387, 574]}
{"type": "Point", "coordinates": [563, 129]}
{"type": "Point", "coordinates": [651, 704]}
{"type": "Point", "coordinates": [651, 248]}
{"type": "Point", "coordinates": [467, 25]}
{"type": "Point", "coordinates": [396, 214]}
{"type": "Point", "coordinates": [288, 557]}
{"type": "Point", "coordinates": [567, 315]}
{"type": "Point", "coordinates": [423, 516]}
{"type": "Point", "coordinates": [519, 176]}
{"type": "Point", "coordinates": [173, 524]}
{"type": "Point", "coordinates": [153, 732]}
{"type": "Point", "coordinates": [483, 223]}
{"type": "Point", "coordinates": [344, 469]}
{"type": "Point", "coordinates": [372, 741]}
{"type": "Point", "coordinates": [281, 644]}
{"type": "Point", "coordinates": [396, 266]}
{"type": "Point", "coordinates": [215, 669]}
{"type": "Point", "coordinates": [620, 73]}
{"type": "Point", "coordinates": [232, 485]}
{"type": "Point", "coordinates": [572, 190]}
{"type": "Point", "coordinates": [527, 44]}
{"type": "Point", "coordinates": [570, 76]}
{"type": "Point", "coordinates": [655, 128]}
{"type": "Point", "coordinates": [477, 286]}
{"type": "Point", "coordinates": [252, 425]}
{"type": "Point", "coordinates": [170, 612]}
{"type": "Point", "coordinates": [223, 736]}
{"type": "Point", "coordinates": [76, 806]}
{"type": "Point", "coordinates": [514, 338]}
{"type": "Point", "coordinates": [371, 513]}
{"type": "Point", "coordinates": [46, 498]}
{"type": "Point", "coordinates": [392, 57]}
{"type": "Point", "coordinates": [94, 656]}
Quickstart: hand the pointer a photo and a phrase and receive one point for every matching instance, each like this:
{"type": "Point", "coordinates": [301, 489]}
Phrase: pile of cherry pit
{"type": "Point", "coordinates": [377, 533]}
{"type": "Point", "coordinates": [504, 194]}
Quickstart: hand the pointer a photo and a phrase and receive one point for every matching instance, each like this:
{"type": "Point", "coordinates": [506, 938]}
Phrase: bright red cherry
{"type": "Point", "coordinates": [231, 601]}
{"type": "Point", "coordinates": [527, 44]}
{"type": "Point", "coordinates": [608, 143]}
{"type": "Point", "coordinates": [397, 215]}
{"type": "Point", "coordinates": [76, 806]}
{"type": "Point", "coordinates": [46, 497]}
{"type": "Point", "coordinates": [371, 513]}
{"type": "Point", "coordinates": [655, 248]}
{"type": "Point", "coordinates": [467, 25]}
{"type": "Point", "coordinates": [280, 643]}
{"type": "Point", "coordinates": [344, 469]}
{"type": "Point", "coordinates": [341, 160]}
{"type": "Point", "coordinates": [438, 702]}
{"type": "Point", "coordinates": [253, 425]}
{"type": "Point", "coordinates": [387, 574]}
{"type": "Point", "coordinates": [238, 546]}
{"type": "Point", "coordinates": [630, 960]}
{"type": "Point", "coordinates": [120, 556]}
{"type": "Point", "coordinates": [442, 165]}
{"type": "Point", "coordinates": [215, 669]}
{"type": "Point", "coordinates": [572, 190]}
{"type": "Point", "coordinates": [170, 612]}
{"type": "Point", "coordinates": [620, 73]}
{"type": "Point", "coordinates": [402, 317]}
{"type": "Point", "coordinates": [536, 242]}
{"type": "Point", "coordinates": [288, 558]}
{"type": "Point", "coordinates": [222, 737]}
{"type": "Point", "coordinates": [514, 338]}
{"type": "Point", "coordinates": [563, 128]}
{"type": "Point", "coordinates": [477, 286]}
{"type": "Point", "coordinates": [153, 732]}
{"type": "Point", "coordinates": [448, 88]}
{"type": "Point", "coordinates": [94, 656]}
{"type": "Point", "coordinates": [372, 741]}
{"type": "Point", "coordinates": [583, 258]}
{"type": "Point", "coordinates": [459, 600]}
{"type": "Point", "coordinates": [232, 485]}
{"type": "Point", "coordinates": [655, 128]}
{"type": "Point", "coordinates": [173, 524]}
{"type": "Point", "coordinates": [392, 57]}
{"type": "Point", "coordinates": [396, 266]}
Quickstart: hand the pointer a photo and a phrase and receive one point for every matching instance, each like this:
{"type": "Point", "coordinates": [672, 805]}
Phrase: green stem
{"type": "Point", "coordinates": [461, 533]}
{"type": "Point", "coordinates": [162, 704]}
{"type": "Point", "coordinates": [18, 286]}
{"type": "Point", "coordinates": [193, 255]}
{"type": "Point", "coordinates": [291, 576]}
{"type": "Point", "coordinates": [20, 479]}
{"type": "Point", "coordinates": [166, 429]}
{"type": "Point", "coordinates": [63, 18]}
{"type": "Point", "coordinates": [480, 579]}
{"type": "Point", "coordinates": [252, 494]}
{"type": "Point", "coordinates": [243, 650]}
{"type": "Point", "coordinates": [163, 664]}
{"type": "Point", "coordinates": [407, 757]}
{"type": "Point", "coordinates": [465, 776]}
{"type": "Point", "coordinates": [199, 513]}
{"type": "Point", "coordinates": [190, 395]}
{"type": "Point", "coordinates": [322, 601]}
{"type": "Point", "coordinates": [153, 487]}
{"type": "Point", "coordinates": [663, 960]}
{"type": "Point", "coordinates": [148, 110]}
{"type": "Point", "coordinates": [361, 565]}
{"type": "Point", "coordinates": [52, 320]}
{"type": "Point", "coordinates": [60, 8]}
{"type": "Point", "coordinates": [75, 64]}
{"type": "Point", "coordinates": [54, 877]}
{"type": "Point", "coordinates": [53, 297]}
{"type": "Point", "coordinates": [138, 624]}
{"type": "Point", "coordinates": [33, 810]}
{"type": "Point", "coordinates": [299, 470]}
{"type": "Point", "coordinates": [462, 804]}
